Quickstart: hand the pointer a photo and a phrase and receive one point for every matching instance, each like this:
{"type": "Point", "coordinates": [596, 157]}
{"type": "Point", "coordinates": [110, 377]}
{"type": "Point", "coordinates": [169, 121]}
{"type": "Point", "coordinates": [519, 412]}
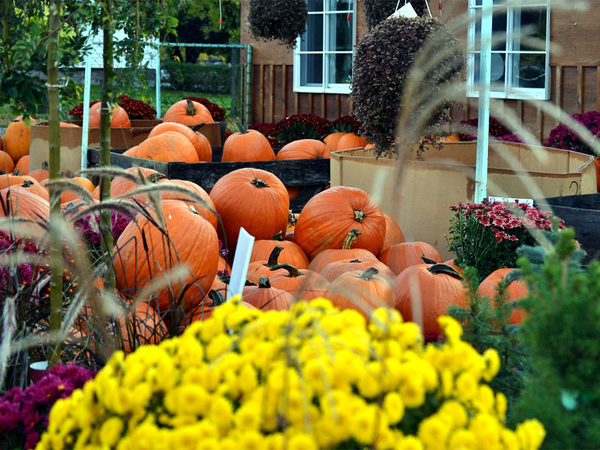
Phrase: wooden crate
{"type": "Point", "coordinates": [312, 174]}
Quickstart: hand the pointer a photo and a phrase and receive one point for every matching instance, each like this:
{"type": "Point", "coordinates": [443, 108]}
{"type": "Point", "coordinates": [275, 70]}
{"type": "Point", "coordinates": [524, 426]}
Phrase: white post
{"type": "Point", "coordinates": [483, 124]}
{"type": "Point", "coordinates": [241, 261]}
{"type": "Point", "coordinates": [157, 65]}
{"type": "Point", "coordinates": [86, 110]}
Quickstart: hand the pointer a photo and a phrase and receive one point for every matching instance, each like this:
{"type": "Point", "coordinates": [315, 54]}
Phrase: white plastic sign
{"type": "Point", "coordinates": [240, 263]}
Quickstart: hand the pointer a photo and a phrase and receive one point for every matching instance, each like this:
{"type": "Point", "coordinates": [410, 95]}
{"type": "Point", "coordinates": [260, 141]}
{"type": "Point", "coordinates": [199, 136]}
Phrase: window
{"type": "Point", "coordinates": [323, 55]}
{"type": "Point", "coordinates": [520, 67]}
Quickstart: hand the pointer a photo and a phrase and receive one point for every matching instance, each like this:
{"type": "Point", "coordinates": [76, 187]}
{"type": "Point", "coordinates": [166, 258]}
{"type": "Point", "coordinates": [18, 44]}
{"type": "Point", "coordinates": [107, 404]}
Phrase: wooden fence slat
{"type": "Point", "coordinates": [597, 88]}
{"type": "Point", "coordinates": [261, 92]}
{"type": "Point", "coordinates": [539, 122]}
{"type": "Point", "coordinates": [272, 93]}
{"type": "Point", "coordinates": [580, 88]}
{"type": "Point", "coordinates": [559, 77]}
{"type": "Point", "coordinates": [323, 106]}
{"type": "Point", "coordinates": [284, 91]}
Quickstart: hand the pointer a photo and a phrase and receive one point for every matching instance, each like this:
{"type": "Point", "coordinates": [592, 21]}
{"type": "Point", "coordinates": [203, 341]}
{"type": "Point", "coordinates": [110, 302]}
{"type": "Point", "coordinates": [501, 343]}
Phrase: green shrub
{"type": "Point", "coordinates": [208, 78]}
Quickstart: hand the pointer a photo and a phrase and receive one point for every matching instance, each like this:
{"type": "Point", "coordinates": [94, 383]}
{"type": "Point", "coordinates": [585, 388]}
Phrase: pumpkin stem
{"type": "Point", "coordinates": [351, 239]}
{"type": "Point", "coordinates": [355, 261]}
{"type": "Point", "coordinates": [274, 256]}
{"type": "Point", "coordinates": [16, 172]}
{"type": "Point", "coordinates": [368, 274]}
{"type": "Point", "coordinates": [264, 283]}
{"type": "Point", "coordinates": [444, 268]}
{"type": "Point", "coordinates": [27, 183]}
{"type": "Point", "coordinates": [427, 260]}
{"type": "Point", "coordinates": [293, 272]}
{"type": "Point", "coordinates": [259, 183]}
{"type": "Point", "coordinates": [277, 236]}
{"type": "Point", "coordinates": [359, 215]}
{"type": "Point", "coordinates": [193, 210]}
{"type": "Point", "coordinates": [154, 177]}
{"type": "Point", "coordinates": [291, 218]}
{"type": "Point", "coordinates": [191, 108]}
{"type": "Point", "coordinates": [242, 128]}
{"type": "Point", "coordinates": [216, 297]}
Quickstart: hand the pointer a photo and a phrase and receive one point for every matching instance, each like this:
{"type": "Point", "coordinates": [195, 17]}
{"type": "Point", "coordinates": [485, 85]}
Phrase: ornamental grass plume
{"type": "Point", "coordinates": [311, 377]}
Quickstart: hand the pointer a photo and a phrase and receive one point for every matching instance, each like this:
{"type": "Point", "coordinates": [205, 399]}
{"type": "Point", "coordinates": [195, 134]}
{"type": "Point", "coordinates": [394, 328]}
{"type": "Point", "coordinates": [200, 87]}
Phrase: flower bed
{"type": "Point", "coordinates": [312, 377]}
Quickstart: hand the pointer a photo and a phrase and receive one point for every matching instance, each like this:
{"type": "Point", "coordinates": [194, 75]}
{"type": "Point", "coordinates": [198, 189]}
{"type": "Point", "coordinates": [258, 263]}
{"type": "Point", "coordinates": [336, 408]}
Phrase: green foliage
{"type": "Point", "coordinates": [486, 325]}
{"type": "Point", "coordinates": [280, 20]}
{"type": "Point", "coordinates": [382, 62]}
{"type": "Point", "coordinates": [209, 78]}
{"type": "Point", "coordinates": [487, 235]}
{"type": "Point", "coordinates": [561, 334]}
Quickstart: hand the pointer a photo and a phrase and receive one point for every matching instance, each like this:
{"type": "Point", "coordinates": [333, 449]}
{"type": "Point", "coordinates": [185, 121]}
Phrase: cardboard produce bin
{"type": "Point", "coordinates": [418, 194]}
{"type": "Point", "coordinates": [120, 138]}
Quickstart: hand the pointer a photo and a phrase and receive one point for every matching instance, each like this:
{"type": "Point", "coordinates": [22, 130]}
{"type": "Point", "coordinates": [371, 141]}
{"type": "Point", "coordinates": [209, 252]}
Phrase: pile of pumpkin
{"type": "Point", "coordinates": [341, 246]}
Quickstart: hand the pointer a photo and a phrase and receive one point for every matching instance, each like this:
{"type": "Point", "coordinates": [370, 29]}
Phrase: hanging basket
{"type": "Point", "coordinates": [280, 20]}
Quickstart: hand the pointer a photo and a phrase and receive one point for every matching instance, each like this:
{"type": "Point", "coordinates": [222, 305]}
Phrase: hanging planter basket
{"type": "Point", "coordinates": [279, 20]}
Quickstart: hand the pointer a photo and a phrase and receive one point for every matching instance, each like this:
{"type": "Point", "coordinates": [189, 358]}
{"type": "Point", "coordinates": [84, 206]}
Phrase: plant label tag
{"type": "Point", "coordinates": [241, 260]}
{"type": "Point", "coordinates": [528, 201]}
{"type": "Point", "coordinates": [406, 11]}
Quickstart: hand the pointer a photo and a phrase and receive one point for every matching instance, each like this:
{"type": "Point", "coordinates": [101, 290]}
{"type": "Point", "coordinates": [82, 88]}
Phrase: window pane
{"type": "Point", "coordinates": [340, 32]}
{"type": "Point", "coordinates": [529, 71]}
{"type": "Point", "coordinates": [312, 70]}
{"type": "Point", "coordinates": [498, 32]}
{"type": "Point", "coordinates": [497, 75]}
{"type": "Point", "coordinates": [532, 26]}
{"type": "Point", "coordinates": [315, 5]}
{"type": "Point", "coordinates": [340, 68]}
{"type": "Point", "coordinates": [340, 5]}
{"type": "Point", "coordinates": [312, 40]}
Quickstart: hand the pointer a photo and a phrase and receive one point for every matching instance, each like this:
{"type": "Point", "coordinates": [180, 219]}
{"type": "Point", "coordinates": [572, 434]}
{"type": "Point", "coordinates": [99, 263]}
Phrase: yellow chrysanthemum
{"type": "Point", "coordinates": [456, 412]}
{"type": "Point", "coordinates": [433, 432]}
{"type": "Point", "coordinates": [409, 443]}
{"type": "Point", "coordinates": [466, 387]}
{"type": "Point", "coordinates": [464, 440]}
{"type": "Point", "coordinates": [486, 429]}
{"type": "Point", "coordinates": [393, 407]}
{"type": "Point", "coordinates": [501, 405]}
{"type": "Point", "coordinates": [370, 380]}
{"type": "Point", "coordinates": [451, 327]}
{"type": "Point", "coordinates": [486, 399]}
{"type": "Point", "coordinates": [221, 412]}
{"type": "Point", "coordinates": [381, 322]}
{"type": "Point", "coordinates": [492, 364]}
{"type": "Point", "coordinates": [531, 434]}
{"type": "Point", "coordinates": [364, 424]}
{"type": "Point", "coordinates": [409, 335]}
{"type": "Point", "coordinates": [302, 441]}
{"type": "Point", "coordinates": [247, 417]}
{"type": "Point", "coordinates": [218, 346]}
{"type": "Point", "coordinates": [111, 431]}
{"type": "Point", "coordinates": [413, 393]}
{"type": "Point", "coordinates": [317, 374]}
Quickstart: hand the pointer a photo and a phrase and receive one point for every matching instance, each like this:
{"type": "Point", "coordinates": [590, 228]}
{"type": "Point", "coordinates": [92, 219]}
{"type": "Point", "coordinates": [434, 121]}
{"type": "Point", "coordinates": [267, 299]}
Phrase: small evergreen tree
{"type": "Point", "coordinates": [561, 332]}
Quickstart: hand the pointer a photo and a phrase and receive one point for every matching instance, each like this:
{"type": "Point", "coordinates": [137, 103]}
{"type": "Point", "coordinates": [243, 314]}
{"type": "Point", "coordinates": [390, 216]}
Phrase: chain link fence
{"type": "Point", "coordinates": [169, 72]}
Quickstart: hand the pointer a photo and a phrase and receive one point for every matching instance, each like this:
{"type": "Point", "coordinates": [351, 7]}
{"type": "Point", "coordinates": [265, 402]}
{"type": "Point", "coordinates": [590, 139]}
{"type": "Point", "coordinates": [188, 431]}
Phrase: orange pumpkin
{"type": "Point", "coordinates": [266, 297]}
{"type": "Point", "coordinates": [450, 138]}
{"type": "Point", "coordinates": [119, 117]}
{"type": "Point", "coordinates": [40, 174]}
{"type": "Point", "coordinates": [337, 268]}
{"type": "Point", "coordinates": [122, 185]}
{"type": "Point", "coordinates": [23, 165]}
{"type": "Point", "coordinates": [337, 254]}
{"type": "Point", "coordinates": [331, 140]}
{"type": "Point", "coordinates": [351, 140]}
{"type": "Point", "coordinates": [17, 138]}
{"type": "Point", "coordinates": [361, 290]}
{"type": "Point", "coordinates": [198, 140]}
{"type": "Point", "coordinates": [198, 198]}
{"type": "Point", "coordinates": [212, 300]}
{"type": "Point", "coordinates": [597, 167]}
{"type": "Point", "coordinates": [143, 253]}
{"type": "Point", "coordinates": [260, 268]}
{"type": "Point", "coordinates": [70, 196]}
{"type": "Point", "coordinates": [131, 151]}
{"type": "Point", "coordinates": [251, 198]}
{"type": "Point", "coordinates": [424, 292]}
{"type": "Point", "coordinates": [7, 165]}
{"type": "Point", "coordinates": [19, 202]}
{"type": "Point", "coordinates": [291, 252]}
{"type": "Point", "coordinates": [169, 146]}
{"type": "Point", "coordinates": [400, 256]}
{"type": "Point", "coordinates": [516, 290]}
{"type": "Point", "coordinates": [188, 112]}
{"type": "Point", "coordinates": [247, 145]}
{"type": "Point", "coordinates": [393, 232]}
{"type": "Point", "coordinates": [303, 149]}
{"type": "Point", "coordinates": [303, 284]}
{"type": "Point", "coordinates": [7, 180]}
{"type": "Point", "coordinates": [329, 216]}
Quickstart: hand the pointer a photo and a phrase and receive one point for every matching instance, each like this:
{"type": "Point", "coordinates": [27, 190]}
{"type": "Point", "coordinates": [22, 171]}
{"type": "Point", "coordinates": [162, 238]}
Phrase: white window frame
{"type": "Point", "coordinates": [510, 91]}
{"type": "Point", "coordinates": [325, 87]}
